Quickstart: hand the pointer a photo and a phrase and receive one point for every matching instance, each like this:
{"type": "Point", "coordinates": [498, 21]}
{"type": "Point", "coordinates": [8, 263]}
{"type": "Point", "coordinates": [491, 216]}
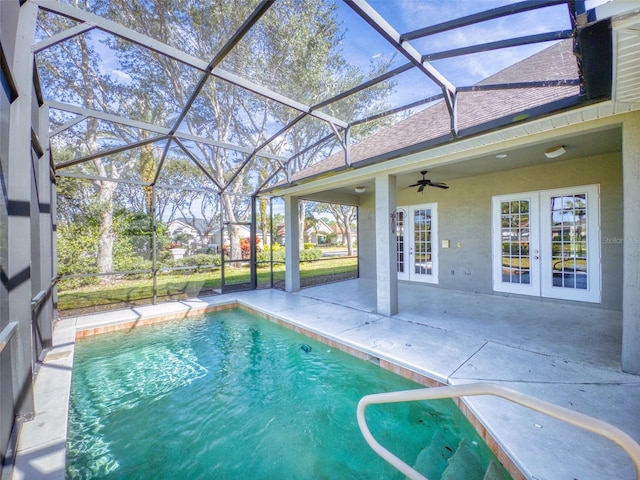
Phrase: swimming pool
{"type": "Point", "coordinates": [231, 395]}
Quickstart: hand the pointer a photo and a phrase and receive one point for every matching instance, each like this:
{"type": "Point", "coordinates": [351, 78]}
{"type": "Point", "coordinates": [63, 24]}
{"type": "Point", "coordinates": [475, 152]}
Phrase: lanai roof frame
{"type": "Point", "coordinates": [340, 128]}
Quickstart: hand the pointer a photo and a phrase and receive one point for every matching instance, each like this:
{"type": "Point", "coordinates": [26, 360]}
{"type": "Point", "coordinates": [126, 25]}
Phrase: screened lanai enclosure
{"type": "Point", "coordinates": [147, 147]}
{"type": "Point", "coordinates": [170, 123]}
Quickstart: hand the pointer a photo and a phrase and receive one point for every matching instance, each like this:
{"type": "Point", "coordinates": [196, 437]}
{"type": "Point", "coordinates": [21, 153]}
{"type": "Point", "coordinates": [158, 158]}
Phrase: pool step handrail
{"type": "Point", "coordinates": [628, 444]}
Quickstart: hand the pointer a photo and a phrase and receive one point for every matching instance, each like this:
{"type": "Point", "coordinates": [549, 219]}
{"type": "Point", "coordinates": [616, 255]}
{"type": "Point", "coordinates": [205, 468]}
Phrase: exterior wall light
{"type": "Point", "coordinates": [360, 189]}
{"type": "Point", "coordinates": [555, 152]}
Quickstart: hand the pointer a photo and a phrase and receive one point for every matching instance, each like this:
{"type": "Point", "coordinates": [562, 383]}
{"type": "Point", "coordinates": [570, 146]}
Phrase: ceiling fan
{"type": "Point", "coordinates": [425, 182]}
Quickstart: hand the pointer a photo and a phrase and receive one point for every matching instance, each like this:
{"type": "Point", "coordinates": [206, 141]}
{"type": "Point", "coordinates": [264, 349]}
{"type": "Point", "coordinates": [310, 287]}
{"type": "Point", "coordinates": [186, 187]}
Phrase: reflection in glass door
{"type": "Point", "coordinates": [401, 215]}
{"type": "Point", "coordinates": [416, 243]}
{"type": "Point", "coordinates": [570, 229]}
{"type": "Point", "coordinates": [569, 241]}
{"type": "Point", "coordinates": [547, 244]}
{"type": "Point", "coordinates": [516, 250]}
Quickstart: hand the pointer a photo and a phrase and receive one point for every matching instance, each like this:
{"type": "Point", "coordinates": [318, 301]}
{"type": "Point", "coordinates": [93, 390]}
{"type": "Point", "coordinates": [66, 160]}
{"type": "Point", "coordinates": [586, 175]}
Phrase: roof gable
{"type": "Point", "coordinates": [478, 109]}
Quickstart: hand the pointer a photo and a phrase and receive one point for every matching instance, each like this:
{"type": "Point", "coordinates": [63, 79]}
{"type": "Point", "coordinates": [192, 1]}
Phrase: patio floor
{"type": "Point", "coordinates": [566, 354]}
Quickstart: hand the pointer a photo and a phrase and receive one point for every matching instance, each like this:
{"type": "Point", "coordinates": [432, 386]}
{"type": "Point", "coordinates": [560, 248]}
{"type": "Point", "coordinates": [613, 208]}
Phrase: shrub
{"type": "Point", "coordinates": [198, 260]}
{"type": "Point", "coordinates": [307, 255]}
{"type": "Point", "coordinates": [265, 256]}
{"type": "Point", "coordinates": [278, 255]}
{"type": "Point", "coordinates": [73, 283]}
{"type": "Point", "coordinates": [77, 249]}
{"type": "Point", "coordinates": [123, 264]}
{"type": "Point", "coordinates": [308, 246]}
{"type": "Point", "coordinates": [245, 246]}
{"type": "Point", "coordinates": [164, 257]}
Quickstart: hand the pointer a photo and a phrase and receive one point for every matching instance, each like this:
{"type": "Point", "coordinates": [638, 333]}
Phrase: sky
{"type": "Point", "coordinates": [361, 45]}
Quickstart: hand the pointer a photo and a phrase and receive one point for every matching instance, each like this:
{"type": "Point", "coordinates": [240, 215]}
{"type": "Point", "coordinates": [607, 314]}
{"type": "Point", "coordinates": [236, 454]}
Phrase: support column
{"type": "Point", "coordinates": [154, 242]}
{"type": "Point", "coordinates": [19, 175]}
{"type": "Point", "coordinates": [386, 275]}
{"type": "Point", "coordinates": [292, 245]}
{"type": "Point", "coordinates": [45, 312]}
{"type": "Point", "coordinates": [54, 249]}
{"type": "Point", "coordinates": [631, 246]}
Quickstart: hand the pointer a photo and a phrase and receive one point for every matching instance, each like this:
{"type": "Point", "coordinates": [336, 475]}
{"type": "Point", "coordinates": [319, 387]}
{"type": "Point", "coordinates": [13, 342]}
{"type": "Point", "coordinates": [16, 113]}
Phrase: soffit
{"type": "Point", "coordinates": [626, 60]}
{"type": "Point", "coordinates": [585, 132]}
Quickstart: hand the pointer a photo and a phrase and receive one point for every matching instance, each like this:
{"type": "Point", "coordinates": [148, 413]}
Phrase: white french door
{"type": "Point", "coordinates": [547, 243]}
{"type": "Point", "coordinates": [417, 243]}
{"type": "Point", "coordinates": [516, 244]}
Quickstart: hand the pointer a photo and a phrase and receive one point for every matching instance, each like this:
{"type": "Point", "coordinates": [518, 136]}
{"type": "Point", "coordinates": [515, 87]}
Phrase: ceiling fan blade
{"type": "Point", "coordinates": [421, 188]}
{"type": "Point", "coordinates": [439, 185]}
{"type": "Point", "coordinates": [414, 185]}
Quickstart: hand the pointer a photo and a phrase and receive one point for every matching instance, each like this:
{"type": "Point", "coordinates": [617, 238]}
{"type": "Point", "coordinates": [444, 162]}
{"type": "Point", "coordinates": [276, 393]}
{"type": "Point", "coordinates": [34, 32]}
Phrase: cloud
{"type": "Point", "coordinates": [407, 15]}
{"type": "Point", "coordinates": [118, 76]}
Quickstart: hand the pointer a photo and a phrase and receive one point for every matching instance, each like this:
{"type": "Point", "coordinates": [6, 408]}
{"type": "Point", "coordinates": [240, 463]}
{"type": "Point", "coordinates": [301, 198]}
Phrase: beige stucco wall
{"type": "Point", "coordinates": [366, 237]}
{"type": "Point", "coordinates": [464, 216]}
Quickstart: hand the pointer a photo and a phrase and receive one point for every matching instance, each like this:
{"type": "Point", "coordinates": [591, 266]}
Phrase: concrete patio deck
{"type": "Point", "coordinates": [563, 353]}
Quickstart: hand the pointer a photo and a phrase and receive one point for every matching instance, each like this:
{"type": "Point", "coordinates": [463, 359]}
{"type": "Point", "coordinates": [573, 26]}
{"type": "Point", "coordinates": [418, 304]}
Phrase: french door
{"type": "Point", "coordinates": [417, 243]}
{"type": "Point", "coordinates": [547, 243]}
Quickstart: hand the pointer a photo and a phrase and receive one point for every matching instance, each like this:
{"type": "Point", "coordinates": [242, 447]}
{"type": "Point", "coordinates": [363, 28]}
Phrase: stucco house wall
{"type": "Point", "coordinates": [367, 237]}
{"type": "Point", "coordinates": [464, 217]}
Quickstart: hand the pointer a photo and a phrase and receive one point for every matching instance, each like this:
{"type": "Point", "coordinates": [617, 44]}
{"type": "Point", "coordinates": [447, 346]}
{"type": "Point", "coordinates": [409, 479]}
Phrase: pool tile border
{"type": "Point", "coordinates": [89, 331]}
{"type": "Point", "coordinates": [355, 351]}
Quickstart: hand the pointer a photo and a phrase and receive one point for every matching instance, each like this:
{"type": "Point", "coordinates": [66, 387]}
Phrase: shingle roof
{"type": "Point", "coordinates": [474, 109]}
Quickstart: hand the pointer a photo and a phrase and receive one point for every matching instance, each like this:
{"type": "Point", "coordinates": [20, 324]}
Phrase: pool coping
{"type": "Point", "coordinates": [41, 444]}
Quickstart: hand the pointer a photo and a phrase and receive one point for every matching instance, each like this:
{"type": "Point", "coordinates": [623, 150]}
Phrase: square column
{"type": "Point", "coordinates": [386, 275]}
{"type": "Point", "coordinates": [292, 245]}
{"type": "Point", "coordinates": [21, 206]}
{"type": "Point", "coordinates": [631, 246]}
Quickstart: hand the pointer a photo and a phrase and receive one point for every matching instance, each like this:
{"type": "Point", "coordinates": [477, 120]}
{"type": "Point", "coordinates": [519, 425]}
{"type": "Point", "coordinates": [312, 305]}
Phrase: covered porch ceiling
{"type": "Point", "coordinates": [607, 139]}
{"type": "Point", "coordinates": [511, 148]}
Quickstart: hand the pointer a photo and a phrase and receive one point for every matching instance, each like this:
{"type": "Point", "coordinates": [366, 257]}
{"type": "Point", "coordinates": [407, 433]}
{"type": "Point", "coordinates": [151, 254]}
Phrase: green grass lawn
{"type": "Point", "coordinates": [175, 285]}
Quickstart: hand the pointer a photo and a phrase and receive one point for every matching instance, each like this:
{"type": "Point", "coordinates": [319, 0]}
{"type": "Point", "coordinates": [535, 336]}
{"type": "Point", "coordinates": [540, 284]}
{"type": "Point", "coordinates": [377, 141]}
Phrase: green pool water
{"type": "Point", "coordinates": [233, 396]}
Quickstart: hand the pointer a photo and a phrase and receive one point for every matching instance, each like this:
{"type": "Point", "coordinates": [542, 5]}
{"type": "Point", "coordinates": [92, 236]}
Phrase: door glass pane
{"type": "Point", "coordinates": [400, 224]}
{"type": "Point", "coordinates": [515, 242]}
{"type": "Point", "coordinates": [422, 242]}
{"type": "Point", "coordinates": [569, 241]}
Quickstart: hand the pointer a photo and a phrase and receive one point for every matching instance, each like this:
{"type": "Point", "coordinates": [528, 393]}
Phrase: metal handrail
{"type": "Point", "coordinates": [583, 421]}
{"type": "Point", "coordinates": [6, 334]}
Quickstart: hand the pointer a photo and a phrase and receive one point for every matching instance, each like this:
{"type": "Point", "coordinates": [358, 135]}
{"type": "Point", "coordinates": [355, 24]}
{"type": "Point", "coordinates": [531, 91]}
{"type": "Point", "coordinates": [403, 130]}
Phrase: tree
{"type": "Point", "coordinates": [71, 72]}
{"type": "Point", "coordinates": [299, 37]}
{"type": "Point", "coordinates": [202, 212]}
{"type": "Point", "coordinates": [346, 216]}
{"type": "Point", "coordinates": [262, 212]}
{"type": "Point", "coordinates": [185, 179]}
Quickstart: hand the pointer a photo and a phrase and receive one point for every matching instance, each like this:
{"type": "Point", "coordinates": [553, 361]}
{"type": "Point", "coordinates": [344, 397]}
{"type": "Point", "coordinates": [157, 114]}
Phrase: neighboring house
{"type": "Point", "coordinates": [178, 229]}
{"type": "Point", "coordinates": [317, 232]}
{"type": "Point", "coordinates": [221, 236]}
{"type": "Point", "coordinates": [197, 230]}
{"type": "Point", "coordinates": [341, 237]}
{"type": "Point", "coordinates": [543, 178]}
{"type": "Point", "coordinates": [280, 234]}
{"type": "Point", "coordinates": [201, 236]}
